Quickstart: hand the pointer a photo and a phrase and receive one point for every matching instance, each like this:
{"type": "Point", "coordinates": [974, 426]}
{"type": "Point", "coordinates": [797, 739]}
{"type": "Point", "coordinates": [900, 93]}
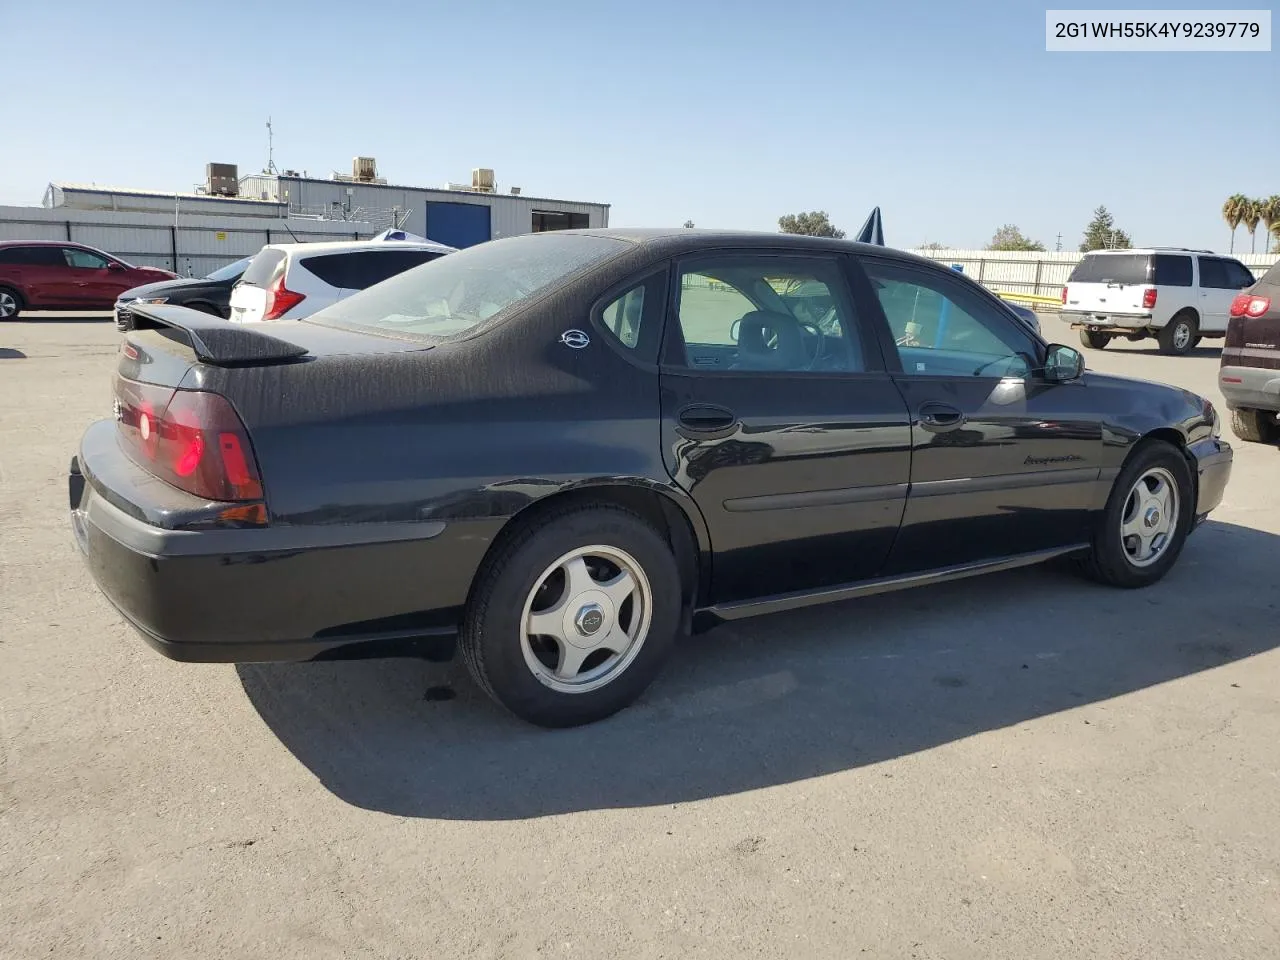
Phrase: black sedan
{"type": "Point", "coordinates": [211, 294]}
{"type": "Point", "coordinates": [569, 448]}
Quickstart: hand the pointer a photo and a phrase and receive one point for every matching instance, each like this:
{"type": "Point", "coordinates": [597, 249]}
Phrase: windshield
{"type": "Point", "coordinates": [1114, 267]}
{"type": "Point", "coordinates": [230, 271]}
{"type": "Point", "coordinates": [451, 295]}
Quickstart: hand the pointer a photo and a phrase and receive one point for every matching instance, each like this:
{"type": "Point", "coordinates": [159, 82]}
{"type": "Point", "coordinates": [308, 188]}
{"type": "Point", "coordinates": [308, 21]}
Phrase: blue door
{"type": "Point", "coordinates": [458, 224]}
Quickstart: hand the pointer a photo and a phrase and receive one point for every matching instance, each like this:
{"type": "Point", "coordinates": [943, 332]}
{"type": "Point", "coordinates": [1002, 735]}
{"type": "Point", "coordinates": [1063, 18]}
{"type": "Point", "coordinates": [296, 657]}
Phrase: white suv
{"type": "Point", "coordinates": [1171, 293]}
{"type": "Point", "coordinates": [287, 281]}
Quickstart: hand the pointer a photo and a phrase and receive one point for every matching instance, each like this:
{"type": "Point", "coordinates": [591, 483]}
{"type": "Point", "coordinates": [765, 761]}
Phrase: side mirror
{"type": "Point", "coordinates": [116, 267]}
{"type": "Point", "coordinates": [1063, 364]}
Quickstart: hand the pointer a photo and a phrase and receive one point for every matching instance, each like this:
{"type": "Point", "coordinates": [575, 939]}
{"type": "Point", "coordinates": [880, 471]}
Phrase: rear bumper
{"type": "Point", "coordinates": [1107, 322]}
{"type": "Point", "coordinates": [269, 593]}
{"type": "Point", "coordinates": [1212, 458]}
{"type": "Point", "coordinates": [1250, 387]}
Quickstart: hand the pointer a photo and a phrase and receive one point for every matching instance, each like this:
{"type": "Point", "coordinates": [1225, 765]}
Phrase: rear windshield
{"type": "Point", "coordinates": [450, 296]}
{"type": "Point", "coordinates": [263, 268]}
{"type": "Point", "coordinates": [359, 269]}
{"type": "Point", "coordinates": [1271, 279]}
{"type": "Point", "coordinates": [1115, 267]}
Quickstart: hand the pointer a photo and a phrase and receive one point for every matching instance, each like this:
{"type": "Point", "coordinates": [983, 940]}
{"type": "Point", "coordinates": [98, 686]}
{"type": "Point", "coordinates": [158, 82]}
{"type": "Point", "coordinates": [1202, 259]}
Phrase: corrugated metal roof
{"type": "Point", "coordinates": [135, 192]}
{"type": "Point", "coordinates": [422, 189]}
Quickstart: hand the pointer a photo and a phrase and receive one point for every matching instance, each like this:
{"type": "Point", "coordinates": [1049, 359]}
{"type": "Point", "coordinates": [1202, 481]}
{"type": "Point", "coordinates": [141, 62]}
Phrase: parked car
{"type": "Point", "coordinates": [1249, 373]}
{"type": "Point", "coordinates": [288, 281]}
{"type": "Point", "coordinates": [210, 294]}
{"type": "Point", "coordinates": [1025, 314]}
{"type": "Point", "coordinates": [1174, 294]}
{"type": "Point", "coordinates": [568, 448]}
{"type": "Point", "coordinates": [49, 275]}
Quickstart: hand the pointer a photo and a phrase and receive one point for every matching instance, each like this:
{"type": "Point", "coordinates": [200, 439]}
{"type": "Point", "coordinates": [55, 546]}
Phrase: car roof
{"type": "Point", "coordinates": [1150, 250]}
{"type": "Point", "coordinates": [676, 240]}
{"type": "Point", "coordinates": [357, 246]}
{"type": "Point", "coordinates": [48, 243]}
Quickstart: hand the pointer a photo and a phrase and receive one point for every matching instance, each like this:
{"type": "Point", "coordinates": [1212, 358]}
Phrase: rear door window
{"type": "Point", "coordinates": [263, 268]}
{"type": "Point", "coordinates": [1171, 271]}
{"type": "Point", "coordinates": [34, 256]}
{"type": "Point", "coordinates": [358, 270]}
{"type": "Point", "coordinates": [1124, 268]}
{"type": "Point", "coordinates": [1213, 273]}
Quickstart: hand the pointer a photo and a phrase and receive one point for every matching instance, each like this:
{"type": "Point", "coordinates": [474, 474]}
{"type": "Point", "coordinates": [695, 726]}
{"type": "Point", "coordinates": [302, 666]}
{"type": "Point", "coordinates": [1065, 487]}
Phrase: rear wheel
{"type": "Point", "coordinates": [1147, 519]}
{"type": "Point", "coordinates": [1180, 334]}
{"type": "Point", "coordinates": [1094, 338]}
{"type": "Point", "coordinates": [572, 618]}
{"type": "Point", "coordinates": [1255, 426]}
{"type": "Point", "coordinates": [10, 303]}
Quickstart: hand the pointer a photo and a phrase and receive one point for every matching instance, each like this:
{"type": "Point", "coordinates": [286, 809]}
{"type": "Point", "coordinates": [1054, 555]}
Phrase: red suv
{"type": "Point", "coordinates": [1249, 375]}
{"type": "Point", "coordinates": [49, 275]}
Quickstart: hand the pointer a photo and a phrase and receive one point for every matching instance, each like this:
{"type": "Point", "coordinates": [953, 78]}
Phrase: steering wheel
{"type": "Point", "coordinates": [817, 331]}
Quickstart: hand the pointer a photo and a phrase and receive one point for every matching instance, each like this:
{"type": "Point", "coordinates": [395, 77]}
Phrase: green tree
{"type": "Point", "coordinates": [1010, 237]}
{"type": "Point", "coordinates": [1269, 214]}
{"type": "Point", "coordinates": [1102, 233]}
{"type": "Point", "coordinates": [1249, 218]}
{"type": "Point", "coordinates": [813, 224]}
{"type": "Point", "coordinates": [1233, 213]}
{"type": "Point", "coordinates": [1275, 228]}
{"type": "Point", "coordinates": [934, 245]}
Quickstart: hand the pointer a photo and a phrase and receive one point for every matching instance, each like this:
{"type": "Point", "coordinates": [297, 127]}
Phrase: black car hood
{"type": "Point", "coordinates": [165, 287]}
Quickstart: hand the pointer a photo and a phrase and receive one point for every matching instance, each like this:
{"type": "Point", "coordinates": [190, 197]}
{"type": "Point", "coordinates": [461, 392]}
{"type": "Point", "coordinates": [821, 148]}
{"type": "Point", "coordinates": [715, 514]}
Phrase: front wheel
{"type": "Point", "coordinates": [1147, 519]}
{"type": "Point", "coordinates": [1094, 338]}
{"type": "Point", "coordinates": [573, 617]}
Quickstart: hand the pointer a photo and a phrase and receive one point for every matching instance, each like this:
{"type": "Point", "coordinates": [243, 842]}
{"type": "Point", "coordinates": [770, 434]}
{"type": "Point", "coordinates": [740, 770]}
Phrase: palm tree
{"type": "Point", "coordinates": [1249, 220]}
{"type": "Point", "coordinates": [1275, 228]}
{"type": "Point", "coordinates": [1269, 214]}
{"type": "Point", "coordinates": [1233, 213]}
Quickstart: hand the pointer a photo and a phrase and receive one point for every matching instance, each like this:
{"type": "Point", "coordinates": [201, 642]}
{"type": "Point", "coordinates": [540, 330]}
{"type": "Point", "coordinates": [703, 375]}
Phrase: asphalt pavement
{"type": "Point", "coordinates": [1024, 765]}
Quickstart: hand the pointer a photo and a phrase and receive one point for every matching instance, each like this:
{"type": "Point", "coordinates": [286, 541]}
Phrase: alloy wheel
{"type": "Point", "coordinates": [586, 619]}
{"type": "Point", "coordinates": [1150, 517]}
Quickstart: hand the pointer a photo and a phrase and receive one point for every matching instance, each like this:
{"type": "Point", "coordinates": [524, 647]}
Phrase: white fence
{"type": "Point", "coordinates": [190, 245]}
{"type": "Point", "coordinates": [1041, 274]}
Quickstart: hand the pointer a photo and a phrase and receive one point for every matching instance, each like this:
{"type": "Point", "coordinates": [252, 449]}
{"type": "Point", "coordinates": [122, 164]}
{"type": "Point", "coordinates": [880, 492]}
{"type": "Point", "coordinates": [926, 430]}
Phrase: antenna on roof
{"type": "Point", "coordinates": [271, 152]}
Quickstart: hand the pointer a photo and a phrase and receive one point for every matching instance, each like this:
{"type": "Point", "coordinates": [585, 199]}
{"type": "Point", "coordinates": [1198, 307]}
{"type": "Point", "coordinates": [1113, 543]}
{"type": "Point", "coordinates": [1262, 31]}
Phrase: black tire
{"type": "Point", "coordinates": [1094, 338]}
{"type": "Point", "coordinates": [1108, 561]}
{"type": "Point", "coordinates": [1255, 426]}
{"type": "Point", "coordinates": [491, 635]}
{"type": "Point", "coordinates": [1180, 335]}
{"type": "Point", "coordinates": [10, 304]}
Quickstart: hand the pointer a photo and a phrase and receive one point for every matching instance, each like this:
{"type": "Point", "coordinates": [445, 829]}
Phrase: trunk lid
{"type": "Point", "coordinates": [171, 341]}
{"type": "Point", "coordinates": [1107, 283]}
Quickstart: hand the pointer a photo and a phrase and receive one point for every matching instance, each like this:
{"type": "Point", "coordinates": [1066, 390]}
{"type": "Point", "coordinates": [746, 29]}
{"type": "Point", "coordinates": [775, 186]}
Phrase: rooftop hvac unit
{"type": "Point", "coordinates": [515, 191]}
{"type": "Point", "coordinates": [222, 179]}
{"type": "Point", "coordinates": [482, 180]}
{"type": "Point", "coordinates": [364, 169]}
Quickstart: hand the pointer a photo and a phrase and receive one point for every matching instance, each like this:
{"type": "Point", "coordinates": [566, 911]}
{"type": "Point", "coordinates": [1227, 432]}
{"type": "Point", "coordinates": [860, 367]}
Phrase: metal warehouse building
{"type": "Point", "coordinates": [458, 215]}
{"type": "Point", "coordinates": [228, 217]}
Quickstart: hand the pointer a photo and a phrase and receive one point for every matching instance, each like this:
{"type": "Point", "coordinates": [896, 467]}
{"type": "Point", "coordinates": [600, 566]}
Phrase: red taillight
{"type": "Point", "coordinates": [189, 438]}
{"type": "Point", "coordinates": [1064, 294]}
{"type": "Point", "coordinates": [1247, 305]}
{"type": "Point", "coordinates": [280, 299]}
{"type": "Point", "coordinates": [1148, 298]}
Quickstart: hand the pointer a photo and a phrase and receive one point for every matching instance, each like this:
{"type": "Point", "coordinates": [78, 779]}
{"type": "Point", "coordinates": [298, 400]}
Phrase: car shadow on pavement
{"type": "Point", "coordinates": [783, 698]}
{"type": "Point", "coordinates": [9, 353]}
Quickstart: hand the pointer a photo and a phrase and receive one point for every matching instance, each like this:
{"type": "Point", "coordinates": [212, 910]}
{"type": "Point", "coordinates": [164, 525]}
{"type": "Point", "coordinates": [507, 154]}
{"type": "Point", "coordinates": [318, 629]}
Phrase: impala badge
{"type": "Point", "coordinates": [574, 339]}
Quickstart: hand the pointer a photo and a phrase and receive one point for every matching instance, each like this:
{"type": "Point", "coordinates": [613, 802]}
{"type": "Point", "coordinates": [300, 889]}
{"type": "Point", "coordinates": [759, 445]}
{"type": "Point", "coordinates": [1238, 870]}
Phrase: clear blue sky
{"type": "Point", "coordinates": [950, 116]}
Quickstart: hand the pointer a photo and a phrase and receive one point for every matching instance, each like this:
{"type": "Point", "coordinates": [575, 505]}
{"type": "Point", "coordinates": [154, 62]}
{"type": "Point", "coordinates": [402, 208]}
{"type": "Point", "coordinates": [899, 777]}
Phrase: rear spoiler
{"type": "Point", "coordinates": [215, 341]}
